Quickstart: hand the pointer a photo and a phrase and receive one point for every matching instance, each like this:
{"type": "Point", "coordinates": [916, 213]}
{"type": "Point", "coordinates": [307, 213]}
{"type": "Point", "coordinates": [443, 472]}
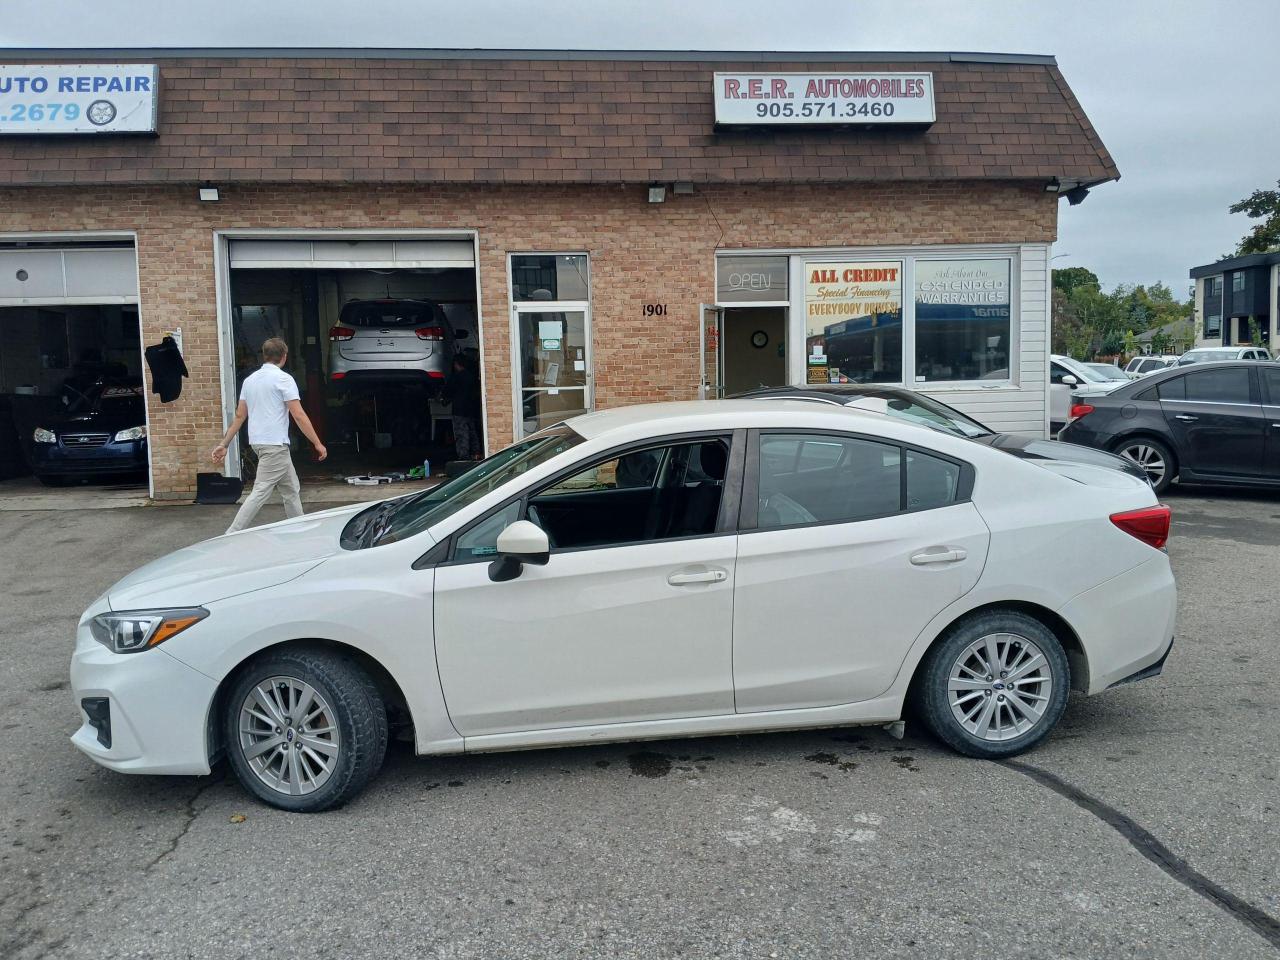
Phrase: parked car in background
{"type": "Point", "coordinates": [664, 570]}
{"type": "Point", "coordinates": [904, 404]}
{"type": "Point", "coordinates": [1143, 364]}
{"type": "Point", "coordinates": [1209, 423]}
{"type": "Point", "coordinates": [382, 340]}
{"type": "Point", "coordinates": [101, 432]}
{"type": "Point", "coordinates": [1108, 371]}
{"type": "Point", "coordinates": [1070, 379]}
{"type": "Point", "coordinates": [1211, 354]}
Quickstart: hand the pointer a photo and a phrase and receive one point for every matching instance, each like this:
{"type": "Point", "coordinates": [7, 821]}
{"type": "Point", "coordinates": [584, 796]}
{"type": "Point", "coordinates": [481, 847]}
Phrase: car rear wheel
{"type": "Point", "coordinates": [304, 730]}
{"type": "Point", "coordinates": [995, 685]}
{"type": "Point", "coordinates": [1153, 457]}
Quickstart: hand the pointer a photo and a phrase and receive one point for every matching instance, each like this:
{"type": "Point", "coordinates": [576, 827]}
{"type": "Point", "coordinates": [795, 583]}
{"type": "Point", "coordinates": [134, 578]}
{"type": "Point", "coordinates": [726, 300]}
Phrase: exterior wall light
{"type": "Point", "coordinates": [684, 188]}
{"type": "Point", "coordinates": [209, 194]}
{"type": "Point", "coordinates": [657, 193]}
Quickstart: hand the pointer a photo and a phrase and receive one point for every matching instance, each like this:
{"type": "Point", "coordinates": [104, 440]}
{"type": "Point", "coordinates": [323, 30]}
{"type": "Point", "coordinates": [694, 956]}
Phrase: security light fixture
{"type": "Point", "coordinates": [209, 194]}
{"type": "Point", "coordinates": [684, 188]}
{"type": "Point", "coordinates": [657, 193]}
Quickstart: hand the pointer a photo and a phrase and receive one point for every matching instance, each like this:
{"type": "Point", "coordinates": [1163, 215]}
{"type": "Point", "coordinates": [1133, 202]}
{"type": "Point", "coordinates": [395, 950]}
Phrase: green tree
{"type": "Point", "coordinates": [1070, 278]}
{"type": "Point", "coordinates": [1161, 342]}
{"type": "Point", "coordinates": [1261, 205]}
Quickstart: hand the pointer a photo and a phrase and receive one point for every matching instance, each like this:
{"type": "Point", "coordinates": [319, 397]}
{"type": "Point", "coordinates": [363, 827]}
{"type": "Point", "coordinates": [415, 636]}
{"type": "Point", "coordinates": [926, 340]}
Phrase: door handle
{"type": "Point", "coordinates": [1185, 417]}
{"type": "Point", "coordinates": [939, 555]}
{"type": "Point", "coordinates": [702, 576]}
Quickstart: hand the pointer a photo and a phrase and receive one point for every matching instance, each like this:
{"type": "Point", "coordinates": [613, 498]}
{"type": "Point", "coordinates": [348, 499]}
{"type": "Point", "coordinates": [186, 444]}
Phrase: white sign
{"type": "Point", "coordinates": [78, 98]}
{"type": "Point", "coordinates": [824, 98]}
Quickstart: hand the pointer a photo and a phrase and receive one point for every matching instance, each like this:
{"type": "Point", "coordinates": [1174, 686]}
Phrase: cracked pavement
{"type": "Point", "coordinates": [818, 844]}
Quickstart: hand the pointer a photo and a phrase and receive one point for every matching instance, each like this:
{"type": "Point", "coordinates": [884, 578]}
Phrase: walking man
{"type": "Point", "coordinates": [267, 400]}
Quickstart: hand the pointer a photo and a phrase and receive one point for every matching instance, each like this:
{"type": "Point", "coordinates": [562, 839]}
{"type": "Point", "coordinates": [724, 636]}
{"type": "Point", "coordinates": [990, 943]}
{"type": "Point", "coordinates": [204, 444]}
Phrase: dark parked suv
{"type": "Point", "coordinates": [1204, 423]}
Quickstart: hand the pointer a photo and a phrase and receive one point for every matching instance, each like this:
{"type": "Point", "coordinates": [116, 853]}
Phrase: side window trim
{"type": "Point", "coordinates": [733, 438]}
{"type": "Point", "coordinates": [749, 515]}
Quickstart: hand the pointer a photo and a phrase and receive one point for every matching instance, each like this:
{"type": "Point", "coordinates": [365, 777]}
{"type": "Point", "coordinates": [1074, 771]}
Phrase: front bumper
{"type": "Point", "coordinates": [158, 709]}
{"type": "Point", "coordinates": [125, 457]}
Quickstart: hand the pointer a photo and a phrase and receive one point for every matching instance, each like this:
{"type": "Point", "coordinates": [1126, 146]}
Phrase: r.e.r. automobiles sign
{"type": "Point", "coordinates": [824, 98]}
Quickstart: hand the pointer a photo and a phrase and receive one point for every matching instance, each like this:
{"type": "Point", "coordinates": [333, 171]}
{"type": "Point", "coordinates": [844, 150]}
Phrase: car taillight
{"type": "Point", "coordinates": [1079, 410]}
{"type": "Point", "coordinates": [435, 374]}
{"type": "Point", "coordinates": [341, 333]}
{"type": "Point", "coordinates": [1150, 524]}
{"type": "Point", "coordinates": [430, 333]}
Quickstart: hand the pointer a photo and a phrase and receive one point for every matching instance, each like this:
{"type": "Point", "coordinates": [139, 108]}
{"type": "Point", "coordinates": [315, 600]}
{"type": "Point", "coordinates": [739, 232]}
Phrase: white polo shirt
{"type": "Point", "coordinates": [266, 391]}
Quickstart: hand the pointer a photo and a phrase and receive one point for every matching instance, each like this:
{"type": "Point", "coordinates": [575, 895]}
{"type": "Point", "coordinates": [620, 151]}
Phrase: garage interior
{"type": "Point", "coordinates": [68, 330]}
{"type": "Point", "coordinates": [380, 416]}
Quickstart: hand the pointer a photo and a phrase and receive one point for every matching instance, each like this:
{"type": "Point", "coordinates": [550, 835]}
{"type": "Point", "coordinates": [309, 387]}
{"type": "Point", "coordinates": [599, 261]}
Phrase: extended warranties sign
{"type": "Point", "coordinates": [78, 98]}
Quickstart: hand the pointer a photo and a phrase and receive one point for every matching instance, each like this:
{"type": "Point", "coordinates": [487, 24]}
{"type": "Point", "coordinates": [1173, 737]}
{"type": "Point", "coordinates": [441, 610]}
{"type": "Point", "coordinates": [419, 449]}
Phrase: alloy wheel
{"type": "Point", "coordinates": [289, 735]}
{"type": "Point", "coordinates": [1000, 686]}
{"type": "Point", "coordinates": [1149, 459]}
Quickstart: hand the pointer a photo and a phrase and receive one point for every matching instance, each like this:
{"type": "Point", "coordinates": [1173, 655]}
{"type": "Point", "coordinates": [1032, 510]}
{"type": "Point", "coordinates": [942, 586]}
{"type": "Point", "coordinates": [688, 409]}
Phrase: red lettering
{"type": "Point", "coordinates": [778, 88]}
{"type": "Point", "coordinates": [755, 88]}
{"type": "Point", "coordinates": [732, 88]}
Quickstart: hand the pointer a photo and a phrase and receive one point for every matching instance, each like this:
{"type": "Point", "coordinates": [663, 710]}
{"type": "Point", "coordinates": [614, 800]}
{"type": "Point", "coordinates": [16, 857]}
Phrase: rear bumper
{"type": "Point", "coordinates": [1125, 625]}
{"type": "Point", "coordinates": [1146, 673]}
{"type": "Point", "coordinates": [157, 709]}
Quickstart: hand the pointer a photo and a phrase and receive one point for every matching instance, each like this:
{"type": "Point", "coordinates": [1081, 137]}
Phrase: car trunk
{"type": "Point", "coordinates": [387, 343]}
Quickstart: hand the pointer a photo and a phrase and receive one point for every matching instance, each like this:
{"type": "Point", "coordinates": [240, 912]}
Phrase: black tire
{"type": "Point", "coordinates": [931, 697]}
{"type": "Point", "coordinates": [1160, 448]}
{"type": "Point", "coordinates": [359, 712]}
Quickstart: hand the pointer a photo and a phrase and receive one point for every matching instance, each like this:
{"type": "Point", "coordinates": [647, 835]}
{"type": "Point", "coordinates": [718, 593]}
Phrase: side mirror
{"type": "Point", "coordinates": [1069, 380]}
{"type": "Point", "coordinates": [519, 543]}
{"type": "Point", "coordinates": [461, 334]}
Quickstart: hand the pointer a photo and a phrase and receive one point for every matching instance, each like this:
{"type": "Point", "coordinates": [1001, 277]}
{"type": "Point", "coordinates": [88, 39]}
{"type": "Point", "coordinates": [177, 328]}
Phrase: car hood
{"type": "Point", "coordinates": [1029, 448]}
{"type": "Point", "coordinates": [233, 564]}
{"type": "Point", "coordinates": [93, 420]}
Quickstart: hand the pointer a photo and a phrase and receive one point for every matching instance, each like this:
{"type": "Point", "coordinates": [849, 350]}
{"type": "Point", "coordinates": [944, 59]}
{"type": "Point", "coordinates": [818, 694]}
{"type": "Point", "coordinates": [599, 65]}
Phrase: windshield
{"type": "Point", "coordinates": [114, 400]}
{"type": "Point", "coordinates": [387, 314]}
{"type": "Point", "coordinates": [1081, 371]}
{"type": "Point", "coordinates": [1197, 356]}
{"type": "Point", "coordinates": [924, 411]}
{"type": "Point", "coordinates": [1108, 370]}
{"type": "Point", "coordinates": [415, 514]}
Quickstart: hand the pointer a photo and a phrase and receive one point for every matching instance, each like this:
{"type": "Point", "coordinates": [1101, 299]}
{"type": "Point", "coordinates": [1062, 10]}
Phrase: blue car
{"type": "Point", "coordinates": [102, 432]}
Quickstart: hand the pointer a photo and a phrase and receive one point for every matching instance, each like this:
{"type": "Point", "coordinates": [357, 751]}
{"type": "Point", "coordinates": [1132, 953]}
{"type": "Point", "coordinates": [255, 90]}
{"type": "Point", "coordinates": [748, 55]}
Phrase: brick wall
{"type": "Point", "coordinates": [640, 253]}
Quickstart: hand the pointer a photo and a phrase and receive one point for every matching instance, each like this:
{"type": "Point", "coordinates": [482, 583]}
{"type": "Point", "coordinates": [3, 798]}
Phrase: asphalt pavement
{"type": "Point", "coordinates": [1145, 827]}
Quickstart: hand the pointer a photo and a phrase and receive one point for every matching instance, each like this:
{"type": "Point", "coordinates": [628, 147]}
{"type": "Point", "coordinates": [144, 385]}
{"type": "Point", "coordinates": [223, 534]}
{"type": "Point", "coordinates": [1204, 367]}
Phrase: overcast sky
{"type": "Point", "coordinates": [1190, 116]}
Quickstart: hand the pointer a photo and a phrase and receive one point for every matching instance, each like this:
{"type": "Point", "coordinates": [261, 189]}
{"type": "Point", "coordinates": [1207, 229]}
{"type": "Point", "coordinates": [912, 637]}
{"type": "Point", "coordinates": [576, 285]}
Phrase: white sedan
{"type": "Point", "coordinates": [658, 571]}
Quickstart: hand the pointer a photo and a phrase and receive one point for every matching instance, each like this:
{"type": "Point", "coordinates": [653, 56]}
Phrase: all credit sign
{"type": "Point", "coordinates": [91, 98]}
{"type": "Point", "coordinates": [824, 98]}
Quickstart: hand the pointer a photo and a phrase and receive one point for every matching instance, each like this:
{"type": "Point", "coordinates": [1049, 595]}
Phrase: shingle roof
{"type": "Point", "coordinates": [553, 117]}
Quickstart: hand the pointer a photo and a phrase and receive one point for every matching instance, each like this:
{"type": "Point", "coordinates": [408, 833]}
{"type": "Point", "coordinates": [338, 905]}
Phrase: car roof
{"type": "Point", "coordinates": [835, 391]}
{"type": "Point", "coordinates": [1168, 373]}
{"type": "Point", "coordinates": [654, 419]}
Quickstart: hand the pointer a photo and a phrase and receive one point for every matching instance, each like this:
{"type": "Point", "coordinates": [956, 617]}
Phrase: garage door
{"type": "Point", "coordinates": [350, 254]}
{"type": "Point", "coordinates": [43, 276]}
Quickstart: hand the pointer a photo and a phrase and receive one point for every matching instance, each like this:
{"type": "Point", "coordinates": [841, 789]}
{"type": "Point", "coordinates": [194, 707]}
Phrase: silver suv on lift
{"type": "Point", "coordinates": [392, 340]}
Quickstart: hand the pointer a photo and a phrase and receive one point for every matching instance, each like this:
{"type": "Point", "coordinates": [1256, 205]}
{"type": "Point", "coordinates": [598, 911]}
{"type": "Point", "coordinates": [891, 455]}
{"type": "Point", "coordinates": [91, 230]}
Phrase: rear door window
{"type": "Point", "coordinates": [812, 478]}
{"type": "Point", "coordinates": [1230, 385]}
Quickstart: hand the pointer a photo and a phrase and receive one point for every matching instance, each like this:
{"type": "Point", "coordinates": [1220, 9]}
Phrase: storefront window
{"type": "Point", "coordinates": [853, 321]}
{"type": "Point", "coordinates": [962, 320]}
{"type": "Point", "coordinates": [549, 277]}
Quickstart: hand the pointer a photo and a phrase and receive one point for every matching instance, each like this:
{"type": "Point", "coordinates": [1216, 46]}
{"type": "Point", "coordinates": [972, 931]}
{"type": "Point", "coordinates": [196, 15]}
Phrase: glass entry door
{"type": "Point", "coordinates": [553, 354]}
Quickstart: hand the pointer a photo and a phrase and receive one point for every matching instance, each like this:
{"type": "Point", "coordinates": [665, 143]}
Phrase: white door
{"type": "Point", "coordinates": [711, 337]}
{"type": "Point", "coordinates": [840, 575]}
{"type": "Point", "coordinates": [629, 620]}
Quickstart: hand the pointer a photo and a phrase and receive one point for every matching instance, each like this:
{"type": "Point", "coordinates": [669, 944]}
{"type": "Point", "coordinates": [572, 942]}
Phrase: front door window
{"type": "Point", "coordinates": [553, 366]}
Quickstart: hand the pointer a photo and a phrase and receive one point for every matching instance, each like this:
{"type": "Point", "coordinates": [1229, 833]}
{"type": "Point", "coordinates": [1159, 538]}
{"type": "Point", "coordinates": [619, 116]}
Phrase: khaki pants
{"type": "Point", "coordinates": [275, 469]}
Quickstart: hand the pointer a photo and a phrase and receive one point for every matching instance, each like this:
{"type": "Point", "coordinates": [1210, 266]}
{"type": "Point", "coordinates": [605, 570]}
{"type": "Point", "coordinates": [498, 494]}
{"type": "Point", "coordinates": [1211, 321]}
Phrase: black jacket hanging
{"type": "Point", "coordinates": [167, 369]}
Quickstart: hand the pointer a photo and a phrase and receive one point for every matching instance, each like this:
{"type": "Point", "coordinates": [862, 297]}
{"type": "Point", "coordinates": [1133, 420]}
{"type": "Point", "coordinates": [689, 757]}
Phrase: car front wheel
{"type": "Point", "coordinates": [1152, 456]}
{"type": "Point", "coordinates": [995, 685]}
{"type": "Point", "coordinates": [305, 730]}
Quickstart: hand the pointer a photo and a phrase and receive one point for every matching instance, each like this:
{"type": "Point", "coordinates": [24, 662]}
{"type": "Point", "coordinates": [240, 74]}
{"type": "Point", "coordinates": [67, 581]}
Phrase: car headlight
{"type": "Point", "coordinates": [133, 433]}
{"type": "Point", "coordinates": [44, 436]}
{"type": "Point", "coordinates": [132, 631]}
